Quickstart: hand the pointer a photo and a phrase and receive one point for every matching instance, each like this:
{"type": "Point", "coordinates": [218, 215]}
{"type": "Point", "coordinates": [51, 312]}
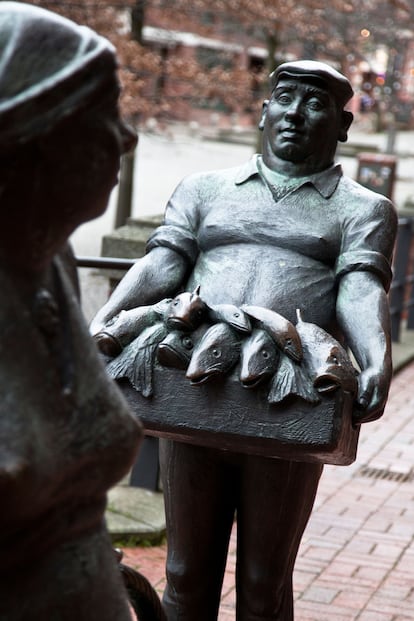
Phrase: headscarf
{"type": "Point", "coordinates": [49, 68]}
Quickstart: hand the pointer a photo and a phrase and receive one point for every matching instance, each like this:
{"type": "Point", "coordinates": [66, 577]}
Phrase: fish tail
{"type": "Point", "coordinates": [305, 388]}
{"type": "Point", "coordinates": [291, 380]}
{"type": "Point", "coordinates": [117, 368]}
{"type": "Point", "coordinates": [283, 381]}
{"type": "Point", "coordinates": [143, 371]}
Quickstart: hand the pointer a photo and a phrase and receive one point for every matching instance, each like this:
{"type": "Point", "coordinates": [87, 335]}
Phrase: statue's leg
{"type": "Point", "coordinates": [199, 500]}
{"type": "Point", "coordinates": [276, 499]}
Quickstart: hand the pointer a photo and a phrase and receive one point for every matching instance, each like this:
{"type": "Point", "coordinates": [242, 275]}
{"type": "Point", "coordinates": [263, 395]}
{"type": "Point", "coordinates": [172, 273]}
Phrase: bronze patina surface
{"type": "Point", "coordinates": [285, 233]}
{"type": "Point", "coordinates": [66, 434]}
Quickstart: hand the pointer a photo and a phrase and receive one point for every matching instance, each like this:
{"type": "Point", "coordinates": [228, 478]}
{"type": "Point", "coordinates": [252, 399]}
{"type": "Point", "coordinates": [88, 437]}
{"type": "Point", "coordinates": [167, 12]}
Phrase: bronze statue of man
{"type": "Point", "coordinates": [66, 434]}
{"type": "Point", "coordinates": [286, 230]}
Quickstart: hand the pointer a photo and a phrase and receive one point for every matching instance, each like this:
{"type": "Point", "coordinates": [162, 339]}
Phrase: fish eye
{"type": "Point", "coordinates": [187, 342]}
{"type": "Point", "coordinates": [265, 354]}
{"type": "Point", "coordinates": [237, 315]}
{"type": "Point", "coordinates": [216, 353]}
{"type": "Point", "coordinates": [176, 302]}
{"type": "Point", "coordinates": [288, 341]}
{"type": "Point", "coordinates": [334, 356]}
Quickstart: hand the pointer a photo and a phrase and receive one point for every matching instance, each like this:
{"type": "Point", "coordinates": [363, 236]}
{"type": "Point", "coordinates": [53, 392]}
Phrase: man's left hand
{"type": "Point", "coordinates": [372, 395]}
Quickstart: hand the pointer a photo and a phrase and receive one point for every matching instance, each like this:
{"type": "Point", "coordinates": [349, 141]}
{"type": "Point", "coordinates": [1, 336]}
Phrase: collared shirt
{"type": "Point", "coordinates": [325, 182]}
{"type": "Point", "coordinates": [283, 254]}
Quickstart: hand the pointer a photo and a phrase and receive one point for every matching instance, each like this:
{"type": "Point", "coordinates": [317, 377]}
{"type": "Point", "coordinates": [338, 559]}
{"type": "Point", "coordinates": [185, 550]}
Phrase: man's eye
{"type": "Point", "coordinates": [284, 100]}
{"type": "Point", "coordinates": [315, 104]}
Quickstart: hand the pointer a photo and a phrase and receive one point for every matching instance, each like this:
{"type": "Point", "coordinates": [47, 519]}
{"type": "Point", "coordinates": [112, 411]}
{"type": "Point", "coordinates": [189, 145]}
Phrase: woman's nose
{"type": "Point", "coordinates": [129, 137]}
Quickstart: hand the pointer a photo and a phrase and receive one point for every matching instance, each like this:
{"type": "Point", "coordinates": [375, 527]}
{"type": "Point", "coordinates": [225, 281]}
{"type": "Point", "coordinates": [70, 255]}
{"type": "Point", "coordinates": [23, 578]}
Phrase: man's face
{"type": "Point", "coordinates": [302, 124]}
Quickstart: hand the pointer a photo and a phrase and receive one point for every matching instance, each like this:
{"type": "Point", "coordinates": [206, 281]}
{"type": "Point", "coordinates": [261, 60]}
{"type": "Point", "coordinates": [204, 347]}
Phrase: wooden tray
{"type": "Point", "coordinates": [227, 416]}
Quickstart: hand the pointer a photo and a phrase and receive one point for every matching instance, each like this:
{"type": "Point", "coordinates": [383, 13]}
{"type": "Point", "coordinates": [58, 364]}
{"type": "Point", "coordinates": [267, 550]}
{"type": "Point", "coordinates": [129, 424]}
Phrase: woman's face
{"type": "Point", "coordinates": [70, 175]}
{"type": "Point", "coordinates": [102, 138]}
{"type": "Point", "coordinates": [78, 164]}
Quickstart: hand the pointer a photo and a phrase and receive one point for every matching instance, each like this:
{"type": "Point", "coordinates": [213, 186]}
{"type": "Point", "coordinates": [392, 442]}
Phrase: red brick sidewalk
{"type": "Point", "coordinates": [356, 561]}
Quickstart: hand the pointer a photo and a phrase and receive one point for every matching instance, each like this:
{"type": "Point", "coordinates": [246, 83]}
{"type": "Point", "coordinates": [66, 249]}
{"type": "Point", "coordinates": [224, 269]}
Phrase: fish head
{"type": "Point", "coordinates": [215, 354]}
{"type": "Point", "coordinates": [186, 311]}
{"type": "Point", "coordinates": [176, 349]}
{"type": "Point", "coordinates": [281, 329]}
{"type": "Point", "coordinates": [258, 360]}
{"type": "Point", "coordinates": [236, 318]}
{"type": "Point", "coordinates": [163, 306]}
{"type": "Point", "coordinates": [327, 361]}
{"type": "Point", "coordinates": [337, 371]}
{"type": "Point", "coordinates": [292, 346]}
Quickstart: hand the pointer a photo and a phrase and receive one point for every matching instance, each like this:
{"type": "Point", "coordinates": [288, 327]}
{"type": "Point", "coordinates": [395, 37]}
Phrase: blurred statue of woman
{"type": "Point", "coordinates": [66, 435]}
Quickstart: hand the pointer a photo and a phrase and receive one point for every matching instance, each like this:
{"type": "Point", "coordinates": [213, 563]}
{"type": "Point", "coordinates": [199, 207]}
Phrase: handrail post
{"type": "Point", "coordinates": [400, 266]}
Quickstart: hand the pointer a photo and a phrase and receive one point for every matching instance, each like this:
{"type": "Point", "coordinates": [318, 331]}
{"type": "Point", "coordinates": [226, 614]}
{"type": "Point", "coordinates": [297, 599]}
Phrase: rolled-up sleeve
{"type": "Point", "coordinates": [179, 229]}
{"type": "Point", "coordinates": [367, 242]}
{"type": "Point", "coordinates": [176, 238]}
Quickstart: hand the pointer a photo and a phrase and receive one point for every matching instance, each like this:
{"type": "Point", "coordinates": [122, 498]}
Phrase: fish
{"type": "Point", "coordinates": [176, 349]}
{"type": "Point", "coordinates": [137, 359]}
{"type": "Point", "coordinates": [215, 354]}
{"type": "Point", "coordinates": [280, 329]}
{"type": "Point", "coordinates": [127, 325]}
{"type": "Point", "coordinates": [291, 380]}
{"type": "Point", "coordinates": [327, 361]}
{"type": "Point", "coordinates": [231, 314]}
{"type": "Point", "coordinates": [187, 311]}
{"type": "Point", "coordinates": [259, 358]}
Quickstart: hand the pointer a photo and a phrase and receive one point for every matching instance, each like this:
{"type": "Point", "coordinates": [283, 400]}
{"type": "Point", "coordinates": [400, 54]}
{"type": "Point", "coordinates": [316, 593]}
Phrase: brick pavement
{"type": "Point", "coordinates": [356, 560]}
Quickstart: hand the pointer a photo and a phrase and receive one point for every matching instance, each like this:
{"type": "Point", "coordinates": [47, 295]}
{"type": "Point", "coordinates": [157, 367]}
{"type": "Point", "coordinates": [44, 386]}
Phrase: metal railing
{"type": "Point", "coordinates": [402, 287]}
{"type": "Point", "coordinates": [105, 263]}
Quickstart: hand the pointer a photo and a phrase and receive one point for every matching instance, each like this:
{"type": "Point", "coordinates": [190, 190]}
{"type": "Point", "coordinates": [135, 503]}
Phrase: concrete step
{"type": "Point", "coordinates": [135, 516]}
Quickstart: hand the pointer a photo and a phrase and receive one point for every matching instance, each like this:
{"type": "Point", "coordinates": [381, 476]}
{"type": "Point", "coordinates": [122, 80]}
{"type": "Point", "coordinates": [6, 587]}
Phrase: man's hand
{"type": "Point", "coordinates": [372, 394]}
{"type": "Point", "coordinates": [98, 324]}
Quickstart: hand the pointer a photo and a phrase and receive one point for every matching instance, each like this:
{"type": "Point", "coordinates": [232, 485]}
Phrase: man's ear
{"type": "Point", "coordinates": [264, 112]}
{"type": "Point", "coordinates": [346, 120]}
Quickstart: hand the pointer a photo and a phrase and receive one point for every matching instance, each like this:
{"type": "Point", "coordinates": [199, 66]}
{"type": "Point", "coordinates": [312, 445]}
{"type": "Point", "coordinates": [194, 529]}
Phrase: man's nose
{"type": "Point", "coordinates": [294, 109]}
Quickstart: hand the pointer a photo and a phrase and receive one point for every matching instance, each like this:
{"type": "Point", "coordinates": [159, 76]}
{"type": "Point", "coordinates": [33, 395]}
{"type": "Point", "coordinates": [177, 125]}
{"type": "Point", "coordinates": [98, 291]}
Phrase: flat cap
{"type": "Point", "coordinates": [49, 68]}
{"type": "Point", "coordinates": [331, 79]}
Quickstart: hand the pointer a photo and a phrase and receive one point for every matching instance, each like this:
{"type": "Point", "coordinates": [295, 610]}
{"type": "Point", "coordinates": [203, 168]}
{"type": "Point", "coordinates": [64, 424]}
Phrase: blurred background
{"type": "Point", "coordinates": [194, 74]}
{"type": "Point", "coordinates": [207, 61]}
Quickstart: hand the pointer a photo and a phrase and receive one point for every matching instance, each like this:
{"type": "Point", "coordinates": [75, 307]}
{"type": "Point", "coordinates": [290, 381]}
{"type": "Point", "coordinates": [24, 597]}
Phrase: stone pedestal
{"type": "Point", "coordinates": [128, 242]}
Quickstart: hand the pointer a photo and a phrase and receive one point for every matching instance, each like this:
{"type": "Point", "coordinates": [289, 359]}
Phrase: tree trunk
{"type": "Point", "coordinates": [125, 190]}
{"type": "Point", "coordinates": [137, 20]}
{"type": "Point", "coordinates": [272, 40]}
{"type": "Point", "coordinates": [272, 43]}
